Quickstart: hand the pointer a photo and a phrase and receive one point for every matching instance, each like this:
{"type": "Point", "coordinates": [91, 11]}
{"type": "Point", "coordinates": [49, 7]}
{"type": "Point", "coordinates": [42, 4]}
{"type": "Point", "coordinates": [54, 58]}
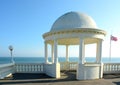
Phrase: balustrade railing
{"type": "Point", "coordinates": [39, 68]}
{"type": "Point", "coordinates": [6, 69]}
{"type": "Point", "coordinates": [29, 68]}
{"type": "Point", "coordinates": [111, 68]}
{"type": "Point", "coordinates": [107, 67]}
{"type": "Point", "coordinates": [68, 66]}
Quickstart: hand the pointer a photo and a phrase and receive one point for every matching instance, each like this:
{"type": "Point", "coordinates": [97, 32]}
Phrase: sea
{"type": "Point", "coordinates": [5, 60]}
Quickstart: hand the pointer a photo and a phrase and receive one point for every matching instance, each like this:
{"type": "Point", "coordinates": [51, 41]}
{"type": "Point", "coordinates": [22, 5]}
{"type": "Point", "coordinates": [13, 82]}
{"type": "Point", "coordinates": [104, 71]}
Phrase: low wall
{"type": "Point", "coordinates": [89, 71]}
{"type": "Point", "coordinates": [52, 70]}
{"type": "Point", "coordinates": [6, 69]}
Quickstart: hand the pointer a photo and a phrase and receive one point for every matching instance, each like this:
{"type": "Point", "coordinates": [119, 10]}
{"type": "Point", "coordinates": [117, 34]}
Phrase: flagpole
{"type": "Point", "coordinates": [110, 50]}
{"type": "Point", "coordinates": [112, 38]}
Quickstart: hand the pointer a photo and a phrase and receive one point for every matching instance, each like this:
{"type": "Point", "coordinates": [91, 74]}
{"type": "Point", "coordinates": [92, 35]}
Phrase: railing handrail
{"type": "Point", "coordinates": [111, 63]}
{"type": "Point", "coordinates": [5, 65]}
{"type": "Point", "coordinates": [6, 69]}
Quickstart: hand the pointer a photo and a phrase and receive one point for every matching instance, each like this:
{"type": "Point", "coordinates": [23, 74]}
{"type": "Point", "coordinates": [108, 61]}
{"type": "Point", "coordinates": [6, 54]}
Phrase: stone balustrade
{"type": "Point", "coordinates": [29, 68]}
{"type": "Point", "coordinates": [107, 67]}
{"type": "Point", "coordinates": [6, 69]}
{"type": "Point", "coordinates": [111, 68]}
{"type": "Point", "coordinates": [68, 66]}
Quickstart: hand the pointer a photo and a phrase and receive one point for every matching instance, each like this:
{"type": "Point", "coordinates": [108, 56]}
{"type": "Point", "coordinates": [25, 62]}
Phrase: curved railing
{"type": "Point", "coordinates": [6, 69]}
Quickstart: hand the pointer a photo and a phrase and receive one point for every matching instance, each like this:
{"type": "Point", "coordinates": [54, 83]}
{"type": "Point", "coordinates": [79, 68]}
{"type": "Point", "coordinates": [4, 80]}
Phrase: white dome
{"type": "Point", "coordinates": [73, 20]}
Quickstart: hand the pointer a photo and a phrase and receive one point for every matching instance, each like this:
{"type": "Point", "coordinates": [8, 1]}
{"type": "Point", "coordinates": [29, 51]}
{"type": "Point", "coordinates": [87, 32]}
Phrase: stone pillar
{"type": "Point", "coordinates": [46, 52]}
{"type": "Point", "coordinates": [53, 69]}
{"type": "Point", "coordinates": [81, 51]}
{"type": "Point", "coordinates": [67, 57]}
{"type": "Point", "coordinates": [52, 53]}
{"type": "Point", "coordinates": [55, 51]}
{"type": "Point", "coordinates": [99, 58]}
{"type": "Point", "coordinates": [99, 52]}
{"type": "Point", "coordinates": [81, 68]}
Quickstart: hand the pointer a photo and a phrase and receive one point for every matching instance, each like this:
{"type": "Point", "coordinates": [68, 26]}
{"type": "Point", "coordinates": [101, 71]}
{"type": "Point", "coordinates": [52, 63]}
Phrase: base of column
{"type": "Point", "coordinates": [89, 71]}
{"type": "Point", "coordinates": [52, 70]}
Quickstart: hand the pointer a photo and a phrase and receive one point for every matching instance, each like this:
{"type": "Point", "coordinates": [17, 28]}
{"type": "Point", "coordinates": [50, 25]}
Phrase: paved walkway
{"type": "Point", "coordinates": [68, 78]}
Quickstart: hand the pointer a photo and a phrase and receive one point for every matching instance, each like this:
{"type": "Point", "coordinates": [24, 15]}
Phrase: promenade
{"type": "Point", "coordinates": [67, 78]}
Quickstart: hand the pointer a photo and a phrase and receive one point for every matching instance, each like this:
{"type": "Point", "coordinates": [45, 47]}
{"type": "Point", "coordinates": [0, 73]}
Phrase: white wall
{"type": "Point", "coordinates": [52, 70]}
{"type": "Point", "coordinates": [89, 71]}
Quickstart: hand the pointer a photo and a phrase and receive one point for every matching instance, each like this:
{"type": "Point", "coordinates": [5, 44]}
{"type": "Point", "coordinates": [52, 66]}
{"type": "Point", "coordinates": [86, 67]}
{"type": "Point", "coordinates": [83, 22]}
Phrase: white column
{"type": "Point", "coordinates": [52, 53]}
{"type": "Point", "coordinates": [55, 51]}
{"type": "Point", "coordinates": [46, 52]}
{"type": "Point", "coordinates": [67, 57]}
{"type": "Point", "coordinates": [99, 52]}
{"type": "Point", "coordinates": [81, 51]}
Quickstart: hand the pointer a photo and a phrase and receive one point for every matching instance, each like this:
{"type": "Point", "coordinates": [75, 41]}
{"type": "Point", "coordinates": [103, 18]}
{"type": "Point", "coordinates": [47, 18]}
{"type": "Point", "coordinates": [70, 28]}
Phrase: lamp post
{"type": "Point", "coordinates": [11, 49]}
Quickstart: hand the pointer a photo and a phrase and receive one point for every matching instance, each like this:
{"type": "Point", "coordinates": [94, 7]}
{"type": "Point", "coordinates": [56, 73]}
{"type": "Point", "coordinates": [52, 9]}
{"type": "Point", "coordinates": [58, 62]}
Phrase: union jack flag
{"type": "Point", "coordinates": [113, 38]}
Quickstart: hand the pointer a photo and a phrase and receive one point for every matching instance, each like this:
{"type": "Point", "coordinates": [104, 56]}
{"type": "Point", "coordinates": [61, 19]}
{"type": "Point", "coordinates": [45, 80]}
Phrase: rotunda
{"type": "Point", "coordinates": [74, 28]}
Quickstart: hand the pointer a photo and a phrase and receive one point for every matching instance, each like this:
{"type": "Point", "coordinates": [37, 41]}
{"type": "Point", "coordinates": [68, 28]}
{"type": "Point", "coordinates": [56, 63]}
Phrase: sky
{"type": "Point", "coordinates": [23, 22]}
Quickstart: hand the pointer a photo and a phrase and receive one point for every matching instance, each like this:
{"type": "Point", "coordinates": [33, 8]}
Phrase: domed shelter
{"type": "Point", "coordinates": [74, 28]}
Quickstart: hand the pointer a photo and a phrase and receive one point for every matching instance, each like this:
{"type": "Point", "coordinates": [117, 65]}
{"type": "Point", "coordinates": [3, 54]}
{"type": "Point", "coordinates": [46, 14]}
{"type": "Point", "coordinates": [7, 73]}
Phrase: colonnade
{"type": "Point", "coordinates": [54, 51]}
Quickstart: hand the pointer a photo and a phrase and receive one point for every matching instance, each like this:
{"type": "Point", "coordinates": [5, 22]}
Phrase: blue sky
{"type": "Point", "coordinates": [23, 22]}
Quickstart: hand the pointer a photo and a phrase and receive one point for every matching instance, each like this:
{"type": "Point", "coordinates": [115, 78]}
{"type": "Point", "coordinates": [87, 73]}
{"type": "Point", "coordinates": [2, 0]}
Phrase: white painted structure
{"type": "Point", "coordinates": [7, 69]}
{"type": "Point", "coordinates": [29, 68]}
{"type": "Point", "coordinates": [74, 28]}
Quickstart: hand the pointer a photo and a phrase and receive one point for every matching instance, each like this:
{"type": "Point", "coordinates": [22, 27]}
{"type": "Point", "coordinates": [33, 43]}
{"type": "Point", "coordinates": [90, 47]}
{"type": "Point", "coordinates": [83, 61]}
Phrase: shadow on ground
{"type": "Point", "coordinates": [24, 78]}
{"type": "Point", "coordinates": [111, 76]}
{"type": "Point", "coordinates": [37, 79]}
{"type": "Point", "coordinates": [117, 83]}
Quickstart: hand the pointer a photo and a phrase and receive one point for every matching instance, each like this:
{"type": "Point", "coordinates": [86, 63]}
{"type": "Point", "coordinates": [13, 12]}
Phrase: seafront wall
{"type": "Point", "coordinates": [6, 69]}
{"type": "Point", "coordinates": [29, 68]}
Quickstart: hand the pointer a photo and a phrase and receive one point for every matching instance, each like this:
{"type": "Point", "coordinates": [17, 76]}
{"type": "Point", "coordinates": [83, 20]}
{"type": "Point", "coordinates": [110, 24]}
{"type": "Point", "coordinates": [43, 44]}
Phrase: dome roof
{"type": "Point", "coordinates": [73, 20]}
